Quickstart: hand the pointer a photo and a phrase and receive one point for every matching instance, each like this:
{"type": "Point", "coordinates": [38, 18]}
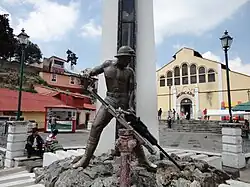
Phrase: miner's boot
{"type": "Point", "coordinates": [89, 151]}
{"type": "Point", "coordinates": [143, 160]}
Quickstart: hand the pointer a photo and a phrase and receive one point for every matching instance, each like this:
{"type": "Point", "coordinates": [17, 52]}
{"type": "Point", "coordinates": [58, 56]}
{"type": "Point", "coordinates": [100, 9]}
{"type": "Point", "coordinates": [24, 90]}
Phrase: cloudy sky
{"type": "Point", "coordinates": [58, 25]}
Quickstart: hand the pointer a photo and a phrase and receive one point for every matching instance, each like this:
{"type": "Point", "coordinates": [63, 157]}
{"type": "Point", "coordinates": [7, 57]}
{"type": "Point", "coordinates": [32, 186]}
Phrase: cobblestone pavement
{"type": "Point", "coordinates": [168, 138]}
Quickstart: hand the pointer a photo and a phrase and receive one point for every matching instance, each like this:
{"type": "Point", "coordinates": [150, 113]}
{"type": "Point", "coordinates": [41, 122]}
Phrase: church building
{"type": "Point", "coordinates": [190, 84]}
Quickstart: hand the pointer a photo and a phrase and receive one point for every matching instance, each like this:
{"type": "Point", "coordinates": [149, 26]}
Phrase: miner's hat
{"type": "Point", "coordinates": [125, 51]}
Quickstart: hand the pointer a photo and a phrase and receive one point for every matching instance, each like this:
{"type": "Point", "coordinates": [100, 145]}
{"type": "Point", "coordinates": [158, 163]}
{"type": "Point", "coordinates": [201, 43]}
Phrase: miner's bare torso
{"type": "Point", "coordinates": [117, 80]}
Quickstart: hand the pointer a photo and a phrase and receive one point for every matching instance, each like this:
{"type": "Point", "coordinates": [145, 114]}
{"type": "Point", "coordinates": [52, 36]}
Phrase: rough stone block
{"type": "Point", "coordinates": [232, 148]}
{"type": "Point", "coordinates": [237, 140]}
{"type": "Point", "coordinates": [73, 153]}
{"type": "Point", "coordinates": [17, 127]}
{"type": "Point", "coordinates": [81, 151]}
{"type": "Point", "coordinates": [13, 154]}
{"type": "Point", "coordinates": [231, 131]}
{"type": "Point", "coordinates": [17, 137]}
{"type": "Point", "coordinates": [8, 163]}
{"type": "Point", "coordinates": [15, 146]}
{"type": "Point", "coordinates": [214, 161]}
{"type": "Point", "coordinates": [234, 160]}
{"type": "Point", "coordinates": [49, 158]}
{"type": "Point", "coordinates": [62, 154]}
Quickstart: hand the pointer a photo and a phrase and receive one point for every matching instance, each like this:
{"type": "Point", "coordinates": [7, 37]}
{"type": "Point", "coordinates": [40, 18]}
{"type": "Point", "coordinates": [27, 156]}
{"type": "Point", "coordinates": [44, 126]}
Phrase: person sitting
{"type": "Point", "coordinates": [34, 145]}
{"type": "Point", "coordinates": [52, 144]}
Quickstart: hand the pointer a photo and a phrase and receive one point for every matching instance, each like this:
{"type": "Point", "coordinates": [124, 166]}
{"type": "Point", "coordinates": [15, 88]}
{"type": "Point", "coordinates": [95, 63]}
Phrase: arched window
{"type": "Point", "coordinates": [202, 75]}
{"type": "Point", "coordinates": [177, 76]}
{"type": "Point", "coordinates": [211, 75]}
{"type": "Point", "coordinates": [169, 78]}
{"type": "Point", "coordinates": [193, 74]}
{"type": "Point", "coordinates": [162, 81]}
{"type": "Point", "coordinates": [184, 74]}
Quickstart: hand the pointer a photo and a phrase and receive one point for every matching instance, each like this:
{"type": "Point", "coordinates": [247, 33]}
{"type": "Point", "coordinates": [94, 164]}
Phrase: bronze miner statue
{"type": "Point", "coordinates": [120, 82]}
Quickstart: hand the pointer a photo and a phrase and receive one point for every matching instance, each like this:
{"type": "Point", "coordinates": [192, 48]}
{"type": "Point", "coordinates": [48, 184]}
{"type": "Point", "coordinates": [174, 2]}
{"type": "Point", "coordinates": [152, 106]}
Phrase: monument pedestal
{"type": "Point", "coordinates": [126, 144]}
{"type": "Point", "coordinates": [232, 154]}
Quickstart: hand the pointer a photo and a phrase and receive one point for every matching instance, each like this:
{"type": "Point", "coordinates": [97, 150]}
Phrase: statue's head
{"type": "Point", "coordinates": [124, 55]}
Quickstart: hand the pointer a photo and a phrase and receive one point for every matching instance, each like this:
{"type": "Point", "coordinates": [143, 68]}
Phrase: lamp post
{"type": "Point", "coordinates": [23, 40]}
{"type": "Point", "coordinates": [169, 97]}
{"type": "Point", "coordinates": [226, 42]}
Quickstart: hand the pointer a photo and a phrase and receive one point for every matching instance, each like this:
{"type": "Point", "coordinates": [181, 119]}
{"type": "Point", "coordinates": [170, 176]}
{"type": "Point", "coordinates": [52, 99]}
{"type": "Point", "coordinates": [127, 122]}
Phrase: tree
{"type": "Point", "coordinates": [32, 53]}
{"type": "Point", "coordinates": [7, 38]}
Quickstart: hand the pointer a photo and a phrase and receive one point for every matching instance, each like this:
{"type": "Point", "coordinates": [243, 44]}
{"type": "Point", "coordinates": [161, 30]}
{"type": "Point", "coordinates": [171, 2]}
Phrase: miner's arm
{"type": "Point", "coordinates": [99, 69]}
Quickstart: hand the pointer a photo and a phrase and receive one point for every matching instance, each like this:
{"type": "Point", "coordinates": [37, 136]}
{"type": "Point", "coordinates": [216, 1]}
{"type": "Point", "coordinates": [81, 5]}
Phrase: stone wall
{"type": "Point", "coordinates": [195, 126]}
{"type": "Point", "coordinates": [15, 66]}
{"type": "Point", "coordinates": [17, 135]}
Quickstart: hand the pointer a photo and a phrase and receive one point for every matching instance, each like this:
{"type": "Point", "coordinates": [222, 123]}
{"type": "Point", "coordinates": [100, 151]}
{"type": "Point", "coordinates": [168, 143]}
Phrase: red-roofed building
{"type": "Point", "coordinates": [33, 105]}
{"type": "Point", "coordinates": [85, 107]}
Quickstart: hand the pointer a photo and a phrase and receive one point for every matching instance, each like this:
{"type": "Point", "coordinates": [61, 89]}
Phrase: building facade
{"type": "Point", "coordinates": [190, 84]}
{"type": "Point", "coordinates": [55, 74]}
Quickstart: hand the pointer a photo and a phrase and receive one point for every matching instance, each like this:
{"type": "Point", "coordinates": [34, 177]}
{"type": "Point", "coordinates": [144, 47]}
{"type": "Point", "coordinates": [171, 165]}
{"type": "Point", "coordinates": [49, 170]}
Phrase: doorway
{"type": "Point", "coordinates": [87, 115]}
{"type": "Point", "coordinates": [186, 108]}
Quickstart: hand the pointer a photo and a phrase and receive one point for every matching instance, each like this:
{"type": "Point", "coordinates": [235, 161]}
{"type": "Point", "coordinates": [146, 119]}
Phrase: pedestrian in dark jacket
{"type": "Point", "coordinates": [34, 145]}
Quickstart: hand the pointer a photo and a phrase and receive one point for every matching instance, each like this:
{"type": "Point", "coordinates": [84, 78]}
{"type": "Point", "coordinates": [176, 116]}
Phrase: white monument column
{"type": "Point", "coordinates": [108, 51]}
{"type": "Point", "coordinates": [146, 96]}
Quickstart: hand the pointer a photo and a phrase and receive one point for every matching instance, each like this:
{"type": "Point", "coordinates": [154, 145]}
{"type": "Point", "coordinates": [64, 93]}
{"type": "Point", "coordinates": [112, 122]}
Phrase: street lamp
{"type": "Point", "coordinates": [226, 42]}
{"type": "Point", "coordinates": [169, 96]}
{"type": "Point", "coordinates": [23, 39]}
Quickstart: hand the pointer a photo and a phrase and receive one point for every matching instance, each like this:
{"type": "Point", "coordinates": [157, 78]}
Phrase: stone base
{"type": "Point", "coordinates": [8, 163]}
{"type": "Point", "coordinates": [234, 160]}
{"type": "Point", "coordinates": [235, 173]}
{"type": "Point", "coordinates": [13, 154]}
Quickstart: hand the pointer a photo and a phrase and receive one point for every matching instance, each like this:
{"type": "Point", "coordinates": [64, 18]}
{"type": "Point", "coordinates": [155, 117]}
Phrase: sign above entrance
{"type": "Point", "coordinates": [185, 93]}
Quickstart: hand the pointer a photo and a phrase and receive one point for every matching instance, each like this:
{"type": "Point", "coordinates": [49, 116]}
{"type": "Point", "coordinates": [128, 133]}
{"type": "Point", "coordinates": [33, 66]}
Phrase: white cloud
{"type": "Point", "coordinates": [91, 29]}
{"type": "Point", "coordinates": [49, 20]}
{"type": "Point", "coordinates": [191, 17]}
{"type": "Point", "coordinates": [211, 56]}
{"type": "Point", "coordinates": [235, 64]}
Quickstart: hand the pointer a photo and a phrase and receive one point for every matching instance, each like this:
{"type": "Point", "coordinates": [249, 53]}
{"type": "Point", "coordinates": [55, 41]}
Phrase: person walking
{"type": "Point", "coordinates": [159, 113]}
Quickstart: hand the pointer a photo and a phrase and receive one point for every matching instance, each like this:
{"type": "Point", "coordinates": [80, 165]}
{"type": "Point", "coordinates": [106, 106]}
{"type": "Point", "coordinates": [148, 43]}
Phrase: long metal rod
{"type": "Point", "coordinates": [20, 86]}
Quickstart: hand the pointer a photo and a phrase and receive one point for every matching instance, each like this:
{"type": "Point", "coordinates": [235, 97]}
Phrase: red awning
{"type": "Point", "coordinates": [89, 106]}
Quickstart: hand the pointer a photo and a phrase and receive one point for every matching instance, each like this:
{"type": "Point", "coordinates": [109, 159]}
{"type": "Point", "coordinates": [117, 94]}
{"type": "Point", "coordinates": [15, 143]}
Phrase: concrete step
{"type": "Point", "coordinates": [181, 155]}
{"type": "Point", "coordinates": [17, 180]}
{"type": "Point", "coordinates": [19, 183]}
{"type": "Point", "coordinates": [199, 157]}
{"type": "Point", "coordinates": [9, 171]}
{"type": "Point", "coordinates": [235, 183]}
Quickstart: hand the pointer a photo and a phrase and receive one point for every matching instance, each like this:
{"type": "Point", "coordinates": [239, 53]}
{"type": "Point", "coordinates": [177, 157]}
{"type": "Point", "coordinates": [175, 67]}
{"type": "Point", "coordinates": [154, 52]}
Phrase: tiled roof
{"type": "Point", "coordinates": [31, 102]}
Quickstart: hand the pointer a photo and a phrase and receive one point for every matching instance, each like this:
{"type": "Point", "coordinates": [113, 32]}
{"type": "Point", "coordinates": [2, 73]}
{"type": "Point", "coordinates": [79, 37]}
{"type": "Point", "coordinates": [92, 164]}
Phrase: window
{"type": "Point", "coordinates": [170, 78]}
{"type": "Point", "coordinates": [211, 75]}
{"type": "Point", "coordinates": [193, 74]}
{"type": "Point", "coordinates": [177, 76]}
{"type": "Point", "coordinates": [162, 81]}
{"type": "Point", "coordinates": [72, 80]}
{"type": "Point", "coordinates": [202, 75]}
{"type": "Point", "coordinates": [127, 33]}
{"type": "Point", "coordinates": [184, 74]}
{"type": "Point", "coordinates": [53, 77]}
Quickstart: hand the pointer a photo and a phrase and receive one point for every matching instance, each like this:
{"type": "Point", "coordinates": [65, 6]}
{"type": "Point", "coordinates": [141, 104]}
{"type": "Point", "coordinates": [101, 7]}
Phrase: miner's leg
{"type": "Point", "coordinates": [142, 159]}
{"type": "Point", "coordinates": [103, 117]}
